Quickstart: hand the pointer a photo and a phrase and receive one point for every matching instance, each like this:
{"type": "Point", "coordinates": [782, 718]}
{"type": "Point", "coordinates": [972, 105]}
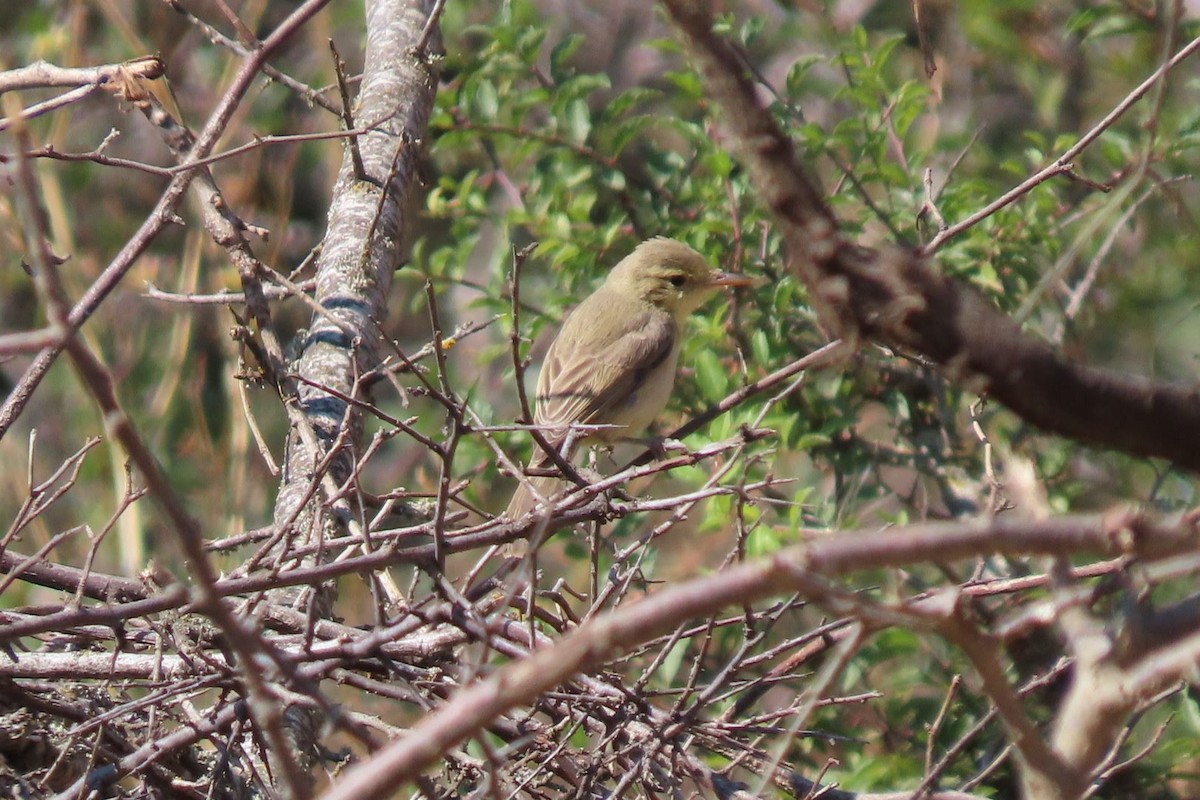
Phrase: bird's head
{"type": "Point", "coordinates": [671, 276]}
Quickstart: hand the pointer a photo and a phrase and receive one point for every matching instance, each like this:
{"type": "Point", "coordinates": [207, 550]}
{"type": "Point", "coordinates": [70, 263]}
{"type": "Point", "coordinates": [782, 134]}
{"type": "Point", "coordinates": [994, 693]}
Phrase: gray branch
{"type": "Point", "coordinates": [361, 250]}
{"type": "Point", "coordinates": [363, 246]}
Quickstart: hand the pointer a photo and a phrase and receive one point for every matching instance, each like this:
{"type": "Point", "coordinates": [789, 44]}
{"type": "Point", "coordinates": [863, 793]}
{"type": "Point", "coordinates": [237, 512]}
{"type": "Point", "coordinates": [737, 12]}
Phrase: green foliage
{"type": "Point", "coordinates": [530, 148]}
{"type": "Point", "coordinates": [533, 148]}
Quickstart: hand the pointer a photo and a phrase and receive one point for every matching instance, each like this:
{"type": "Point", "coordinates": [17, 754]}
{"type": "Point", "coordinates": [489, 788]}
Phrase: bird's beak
{"type": "Point", "coordinates": [730, 279]}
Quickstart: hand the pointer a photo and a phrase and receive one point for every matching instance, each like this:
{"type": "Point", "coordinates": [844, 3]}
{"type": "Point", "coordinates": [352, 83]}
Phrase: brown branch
{"type": "Point", "coordinates": [70, 579]}
{"type": "Point", "coordinates": [609, 635]}
{"type": "Point", "coordinates": [1111, 535]}
{"type": "Point", "coordinates": [104, 666]}
{"type": "Point", "coordinates": [41, 75]}
{"type": "Point", "coordinates": [121, 79]}
{"type": "Point", "coordinates": [894, 296]}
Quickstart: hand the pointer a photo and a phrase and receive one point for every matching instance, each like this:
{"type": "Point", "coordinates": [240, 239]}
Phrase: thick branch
{"type": "Point", "coordinates": [894, 296]}
{"type": "Point", "coordinates": [361, 250]}
{"type": "Point", "coordinates": [608, 636]}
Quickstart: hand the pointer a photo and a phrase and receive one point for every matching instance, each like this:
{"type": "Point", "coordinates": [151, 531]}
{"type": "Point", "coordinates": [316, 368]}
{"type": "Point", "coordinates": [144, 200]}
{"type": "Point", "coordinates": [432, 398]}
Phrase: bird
{"type": "Point", "coordinates": [614, 359]}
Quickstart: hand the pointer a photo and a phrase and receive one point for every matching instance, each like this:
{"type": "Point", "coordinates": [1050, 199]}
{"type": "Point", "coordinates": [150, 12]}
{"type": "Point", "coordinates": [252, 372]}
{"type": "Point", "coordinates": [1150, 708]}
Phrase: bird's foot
{"type": "Point", "coordinates": [662, 447]}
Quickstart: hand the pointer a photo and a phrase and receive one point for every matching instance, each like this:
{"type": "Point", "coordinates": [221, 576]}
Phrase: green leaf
{"type": "Point", "coordinates": [579, 86]}
{"type": "Point", "coordinates": [561, 54]}
{"type": "Point", "coordinates": [628, 130]}
{"type": "Point", "coordinates": [629, 99]}
{"type": "Point", "coordinates": [861, 41]}
{"type": "Point", "coordinates": [486, 100]}
{"type": "Point", "coordinates": [809, 441]}
{"type": "Point", "coordinates": [797, 74]}
{"type": "Point", "coordinates": [710, 376]}
{"type": "Point", "coordinates": [672, 663]}
{"type": "Point", "coordinates": [579, 121]}
{"type": "Point", "coordinates": [760, 346]}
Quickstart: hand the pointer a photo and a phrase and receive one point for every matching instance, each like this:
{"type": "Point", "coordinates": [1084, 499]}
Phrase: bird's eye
{"type": "Point", "coordinates": [677, 280]}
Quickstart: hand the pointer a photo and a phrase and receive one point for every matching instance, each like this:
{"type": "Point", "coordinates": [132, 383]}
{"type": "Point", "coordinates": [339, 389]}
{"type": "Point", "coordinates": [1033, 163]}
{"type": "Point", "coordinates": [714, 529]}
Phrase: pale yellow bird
{"type": "Point", "coordinates": [613, 362]}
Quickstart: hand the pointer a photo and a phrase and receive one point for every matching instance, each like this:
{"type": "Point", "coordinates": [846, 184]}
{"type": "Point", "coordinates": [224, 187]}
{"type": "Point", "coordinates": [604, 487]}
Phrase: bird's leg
{"type": "Point", "coordinates": [590, 472]}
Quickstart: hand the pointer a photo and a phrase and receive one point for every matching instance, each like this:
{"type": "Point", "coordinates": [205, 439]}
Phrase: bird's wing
{"type": "Point", "coordinates": [584, 388]}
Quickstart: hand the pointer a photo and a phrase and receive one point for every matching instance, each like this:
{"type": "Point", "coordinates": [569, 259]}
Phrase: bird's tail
{"type": "Point", "coordinates": [523, 501]}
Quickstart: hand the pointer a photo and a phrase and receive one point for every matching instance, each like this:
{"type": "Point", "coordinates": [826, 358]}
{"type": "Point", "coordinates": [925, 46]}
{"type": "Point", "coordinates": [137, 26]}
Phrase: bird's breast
{"type": "Point", "coordinates": [648, 399]}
